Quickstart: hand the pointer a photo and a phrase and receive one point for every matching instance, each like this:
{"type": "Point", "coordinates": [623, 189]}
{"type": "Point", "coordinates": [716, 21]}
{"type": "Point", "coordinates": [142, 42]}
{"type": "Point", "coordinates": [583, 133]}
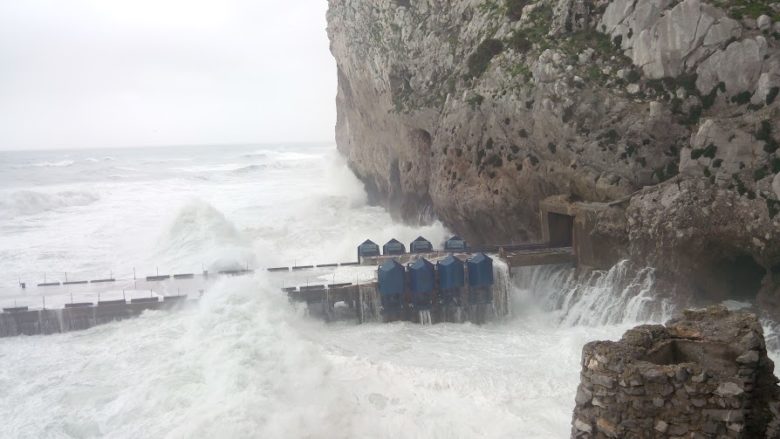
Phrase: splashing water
{"type": "Point", "coordinates": [425, 317]}
{"type": "Point", "coordinates": [201, 234]}
{"type": "Point", "coordinates": [246, 363]}
{"type": "Point", "coordinates": [502, 288]}
{"type": "Point", "coordinates": [620, 295]}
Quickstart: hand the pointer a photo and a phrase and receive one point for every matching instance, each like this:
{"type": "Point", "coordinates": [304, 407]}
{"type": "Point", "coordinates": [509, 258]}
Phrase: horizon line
{"type": "Point", "coordinates": [174, 145]}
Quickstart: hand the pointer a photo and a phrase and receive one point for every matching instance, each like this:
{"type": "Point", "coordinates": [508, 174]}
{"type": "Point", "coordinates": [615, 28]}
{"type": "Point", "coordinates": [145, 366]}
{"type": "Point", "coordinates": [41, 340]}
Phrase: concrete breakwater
{"type": "Point", "coordinates": [79, 316]}
{"type": "Point", "coordinates": [458, 288]}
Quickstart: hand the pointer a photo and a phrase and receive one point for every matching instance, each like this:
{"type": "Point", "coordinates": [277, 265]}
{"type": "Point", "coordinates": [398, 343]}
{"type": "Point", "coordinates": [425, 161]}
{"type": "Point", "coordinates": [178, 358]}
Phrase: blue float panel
{"type": "Point", "coordinates": [393, 247]}
{"type": "Point", "coordinates": [420, 245]}
{"type": "Point", "coordinates": [421, 276]}
{"type": "Point", "coordinates": [368, 248]}
{"type": "Point", "coordinates": [480, 268]}
{"type": "Point", "coordinates": [421, 283]}
{"type": "Point", "coordinates": [451, 273]}
{"type": "Point", "coordinates": [455, 243]}
{"type": "Point", "coordinates": [391, 278]}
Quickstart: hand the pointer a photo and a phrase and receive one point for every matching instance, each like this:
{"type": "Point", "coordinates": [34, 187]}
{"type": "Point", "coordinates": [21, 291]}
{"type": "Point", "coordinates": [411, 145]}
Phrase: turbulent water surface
{"type": "Point", "coordinates": [243, 362]}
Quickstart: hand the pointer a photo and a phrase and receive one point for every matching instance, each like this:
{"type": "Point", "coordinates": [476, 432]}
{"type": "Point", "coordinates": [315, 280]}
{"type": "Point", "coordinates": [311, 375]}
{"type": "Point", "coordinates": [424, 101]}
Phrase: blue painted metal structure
{"type": "Point", "coordinates": [456, 243]}
{"type": "Point", "coordinates": [480, 268]}
{"type": "Point", "coordinates": [392, 281]}
{"type": "Point", "coordinates": [393, 247]}
{"type": "Point", "coordinates": [420, 245]}
{"type": "Point", "coordinates": [422, 277]}
{"type": "Point", "coordinates": [451, 279]}
{"type": "Point", "coordinates": [368, 248]}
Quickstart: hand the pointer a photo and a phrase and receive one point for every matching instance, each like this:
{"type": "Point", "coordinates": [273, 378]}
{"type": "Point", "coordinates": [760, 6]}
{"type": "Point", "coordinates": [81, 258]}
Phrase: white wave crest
{"type": "Point", "coordinates": [201, 234]}
{"type": "Point", "coordinates": [31, 202]}
{"type": "Point", "coordinates": [98, 160]}
{"type": "Point", "coordinates": [59, 164]}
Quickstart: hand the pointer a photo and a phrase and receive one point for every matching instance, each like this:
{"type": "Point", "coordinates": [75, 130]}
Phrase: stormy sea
{"type": "Point", "coordinates": [244, 362]}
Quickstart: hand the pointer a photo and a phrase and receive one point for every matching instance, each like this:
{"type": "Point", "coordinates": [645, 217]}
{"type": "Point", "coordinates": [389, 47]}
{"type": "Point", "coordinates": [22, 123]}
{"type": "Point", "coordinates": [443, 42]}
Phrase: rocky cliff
{"type": "Point", "coordinates": [476, 110]}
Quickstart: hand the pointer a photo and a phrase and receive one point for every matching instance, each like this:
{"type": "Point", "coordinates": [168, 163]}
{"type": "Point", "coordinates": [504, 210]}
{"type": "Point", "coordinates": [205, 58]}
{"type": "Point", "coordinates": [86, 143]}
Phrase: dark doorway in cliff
{"type": "Point", "coordinates": [420, 140]}
{"type": "Point", "coordinates": [744, 277]}
{"type": "Point", "coordinates": [561, 229]}
{"type": "Point", "coordinates": [733, 276]}
{"type": "Point", "coordinates": [395, 175]}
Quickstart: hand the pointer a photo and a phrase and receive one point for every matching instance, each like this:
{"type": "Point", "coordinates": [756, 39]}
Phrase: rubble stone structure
{"type": "Point", "coordinates": [704, 375]}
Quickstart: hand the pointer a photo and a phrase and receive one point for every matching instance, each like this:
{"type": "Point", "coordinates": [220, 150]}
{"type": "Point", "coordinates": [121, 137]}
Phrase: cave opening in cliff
{"type": "Point", "coordinates": [561, 229]}
{"type": "Point", "coordinates": [733, 277]}
{"type": "Point", "coordinates": [745, 277]}
{"type": "Point", "coordinates": [420, 140]}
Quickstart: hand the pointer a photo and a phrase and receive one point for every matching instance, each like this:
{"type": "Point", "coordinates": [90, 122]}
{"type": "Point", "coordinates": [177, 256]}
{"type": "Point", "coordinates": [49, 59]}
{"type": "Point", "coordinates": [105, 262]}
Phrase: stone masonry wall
{"type": "Point", "coordinates": [704, 375]}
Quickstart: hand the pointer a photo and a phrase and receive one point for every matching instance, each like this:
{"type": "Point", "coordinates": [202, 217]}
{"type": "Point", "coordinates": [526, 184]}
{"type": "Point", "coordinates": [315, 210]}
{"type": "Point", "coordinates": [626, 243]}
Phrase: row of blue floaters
{"type": "Point", "coordinates": [424, 284]}
{"type": "Point", "coordinates": [420, 245]}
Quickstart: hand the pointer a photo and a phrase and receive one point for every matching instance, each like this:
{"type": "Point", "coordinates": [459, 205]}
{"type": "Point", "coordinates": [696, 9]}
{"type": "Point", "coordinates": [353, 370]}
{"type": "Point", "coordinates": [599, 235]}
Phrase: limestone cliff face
{"type": "Point", "coordinates": [475, 110]}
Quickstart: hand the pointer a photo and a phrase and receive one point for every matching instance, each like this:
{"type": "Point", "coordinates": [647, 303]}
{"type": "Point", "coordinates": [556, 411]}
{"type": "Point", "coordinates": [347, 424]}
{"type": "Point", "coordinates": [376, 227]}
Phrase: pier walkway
{"type": "Point", "coordinates": [58, 302]}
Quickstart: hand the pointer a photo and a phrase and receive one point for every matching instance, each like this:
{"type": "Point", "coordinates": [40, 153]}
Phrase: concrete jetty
{"type": "Point", "coordinates": [78, 316]}
{"type": "Point", "coordinates": [104, 299]}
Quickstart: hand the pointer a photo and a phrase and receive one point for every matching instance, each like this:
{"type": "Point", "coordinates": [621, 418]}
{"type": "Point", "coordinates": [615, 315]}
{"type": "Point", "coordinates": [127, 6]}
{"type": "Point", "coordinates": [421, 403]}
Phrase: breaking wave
{"type": "Point", "coordinates": [262, 167]}
{"type": "Point", "coordinates": [199, 234]}
{"type": "Point", "coordinates": [47, 164]}
{"type": "Point", "coordinates": [31, 202]}
{"type": "Point", "coordinates": [59, 164]}
{"type": "Point", "coordinates": [279, 155]}
{"type": "Point", "coordinates": [98, 160]}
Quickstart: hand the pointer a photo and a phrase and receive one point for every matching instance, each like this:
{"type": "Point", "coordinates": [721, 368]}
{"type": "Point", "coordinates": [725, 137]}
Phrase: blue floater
{"type": "Point", "coordinates": [391, 278]}
{"type": "Point", "coordinates": [480, 268]}
{"type": "Point", "coordinates": [393, 247]}
{"type": "Point", "coordinates": [451, 273]}
{"type": "Point", "coordinates": [420, 245]}
{"type": "Point", "coordinates": [421, 283]}
{"type": "Point", "coordinates": [368, 248]}
{"type": "Point", "coordinates": [455, 243]}
{"type": "Point", "coordinates": [421, 274]}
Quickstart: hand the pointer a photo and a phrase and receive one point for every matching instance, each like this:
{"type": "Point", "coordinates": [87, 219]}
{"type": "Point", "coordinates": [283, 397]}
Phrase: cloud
{"type": "Point", "coordinates": [103, 73]}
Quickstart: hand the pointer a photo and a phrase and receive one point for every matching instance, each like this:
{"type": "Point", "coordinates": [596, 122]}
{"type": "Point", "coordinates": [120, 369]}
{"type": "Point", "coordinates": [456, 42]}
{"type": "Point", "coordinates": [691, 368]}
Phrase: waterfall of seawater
{"type": "Point", "coordinates": [615, 296]}
{"type": "Point", "coordinates": [502, 287]}
{"type": "Point", "coordinates": [425, 317]}
{"type": "Point", "coordinates": [370, 304]}
{"type": "Point", "coordinates": [618, 295]}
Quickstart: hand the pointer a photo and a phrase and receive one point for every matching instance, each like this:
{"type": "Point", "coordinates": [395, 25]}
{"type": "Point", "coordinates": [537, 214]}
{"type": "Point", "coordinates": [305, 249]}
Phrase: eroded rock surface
{"type": "Point", "coordinates": [476, 110]}
{"type": "Point", "coordinates": [704, 375]}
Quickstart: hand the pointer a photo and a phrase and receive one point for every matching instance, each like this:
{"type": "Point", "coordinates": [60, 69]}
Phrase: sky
{"type": "Point", "coordinates": [118, 73]}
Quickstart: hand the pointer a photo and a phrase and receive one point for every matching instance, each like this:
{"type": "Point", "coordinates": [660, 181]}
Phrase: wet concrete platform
{"type": "Point", "coordinates": [79, 316]}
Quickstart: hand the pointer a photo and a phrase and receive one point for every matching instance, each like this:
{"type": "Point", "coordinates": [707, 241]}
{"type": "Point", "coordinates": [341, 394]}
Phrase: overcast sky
{"type": "Point", "coordinates": [95, 73]}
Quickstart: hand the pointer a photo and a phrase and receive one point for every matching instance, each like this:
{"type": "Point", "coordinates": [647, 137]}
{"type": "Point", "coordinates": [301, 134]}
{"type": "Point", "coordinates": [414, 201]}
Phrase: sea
{"type": "Point", "coordinates": [244, 362]}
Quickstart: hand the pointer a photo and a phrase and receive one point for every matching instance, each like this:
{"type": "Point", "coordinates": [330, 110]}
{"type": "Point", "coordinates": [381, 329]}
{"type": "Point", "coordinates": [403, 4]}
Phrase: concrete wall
{"type": "Point", "coordinates": [81, 316]}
